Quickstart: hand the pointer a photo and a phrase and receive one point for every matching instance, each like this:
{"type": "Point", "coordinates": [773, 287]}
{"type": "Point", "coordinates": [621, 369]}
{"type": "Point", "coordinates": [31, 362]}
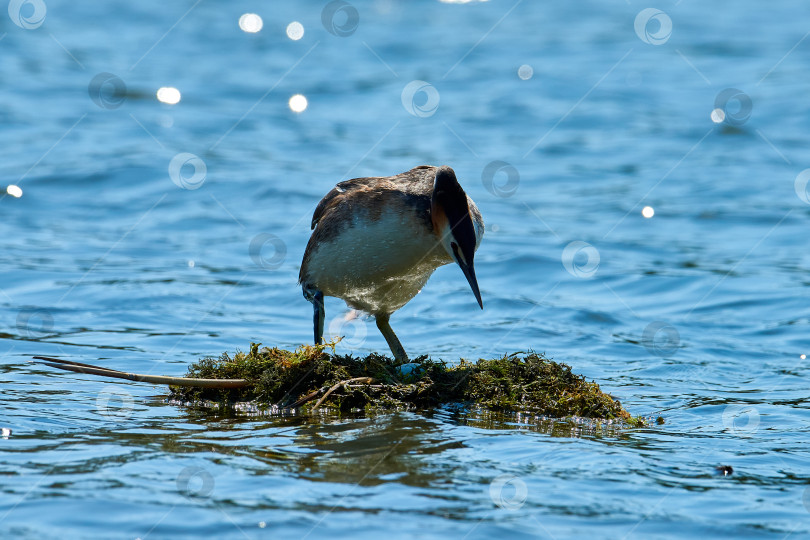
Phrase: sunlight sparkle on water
{"type": "Point", "coordinates": [525, 72]}
{"type": "Point", "coordinates": [250, 23]}
{"type": "Point", "coordinates": [168, 94]}
{"type": "Point", "coordinates": [648, 212]}
{"type": "Point", "coordinates": [295, 30]}
{"type": "Point", "coordinates": [298, 103]}
{"type": "Point", "coordinates": [14, 191]}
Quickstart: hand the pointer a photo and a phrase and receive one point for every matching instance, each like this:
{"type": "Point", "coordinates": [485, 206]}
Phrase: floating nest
{"type": "Point", "coordinates": [315, 377]}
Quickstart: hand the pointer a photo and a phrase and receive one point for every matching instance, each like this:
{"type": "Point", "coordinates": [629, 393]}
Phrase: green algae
{"type": "Point", "coordinates": [519, 382]}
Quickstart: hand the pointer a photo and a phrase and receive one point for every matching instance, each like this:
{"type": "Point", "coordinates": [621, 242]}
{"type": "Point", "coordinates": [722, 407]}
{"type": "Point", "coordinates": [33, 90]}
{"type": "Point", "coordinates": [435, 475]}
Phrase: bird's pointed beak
{"type": "Point", "coordinates": [469, 273]}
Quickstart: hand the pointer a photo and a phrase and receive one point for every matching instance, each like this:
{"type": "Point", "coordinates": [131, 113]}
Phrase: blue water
{"type": "Point", "coordinates": [699, 314]}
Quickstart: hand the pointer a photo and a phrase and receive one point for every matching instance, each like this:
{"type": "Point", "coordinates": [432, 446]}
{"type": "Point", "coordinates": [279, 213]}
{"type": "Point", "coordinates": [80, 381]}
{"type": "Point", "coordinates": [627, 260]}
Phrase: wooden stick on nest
{"type": "Point", "coordinates": [364, 381]}
{"type": "Point", "coordinates": [367, 380]}
{"type": "Point", "coordinates": [78, 367]}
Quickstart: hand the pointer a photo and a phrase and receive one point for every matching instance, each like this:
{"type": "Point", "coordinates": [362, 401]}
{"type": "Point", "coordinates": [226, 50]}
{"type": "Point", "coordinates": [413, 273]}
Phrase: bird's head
{"type": "Point", "coordinates": [454, 226]}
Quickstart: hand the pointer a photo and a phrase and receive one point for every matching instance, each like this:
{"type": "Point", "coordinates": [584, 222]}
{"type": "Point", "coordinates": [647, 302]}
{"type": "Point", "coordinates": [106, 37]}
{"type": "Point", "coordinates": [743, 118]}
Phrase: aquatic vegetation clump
{"type": "Point", "coordinates": [314, 377]}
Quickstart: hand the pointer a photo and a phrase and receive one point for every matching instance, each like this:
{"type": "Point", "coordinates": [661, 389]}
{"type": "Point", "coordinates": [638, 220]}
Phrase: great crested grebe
{"type": "Point", "coordinates": [376, 241]}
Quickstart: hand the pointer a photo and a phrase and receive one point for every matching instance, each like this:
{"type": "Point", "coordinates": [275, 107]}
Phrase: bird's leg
{"type": "Point", "coordinates": [319, 314]}
{"type": "Point", "coordinates": [391, 337]}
